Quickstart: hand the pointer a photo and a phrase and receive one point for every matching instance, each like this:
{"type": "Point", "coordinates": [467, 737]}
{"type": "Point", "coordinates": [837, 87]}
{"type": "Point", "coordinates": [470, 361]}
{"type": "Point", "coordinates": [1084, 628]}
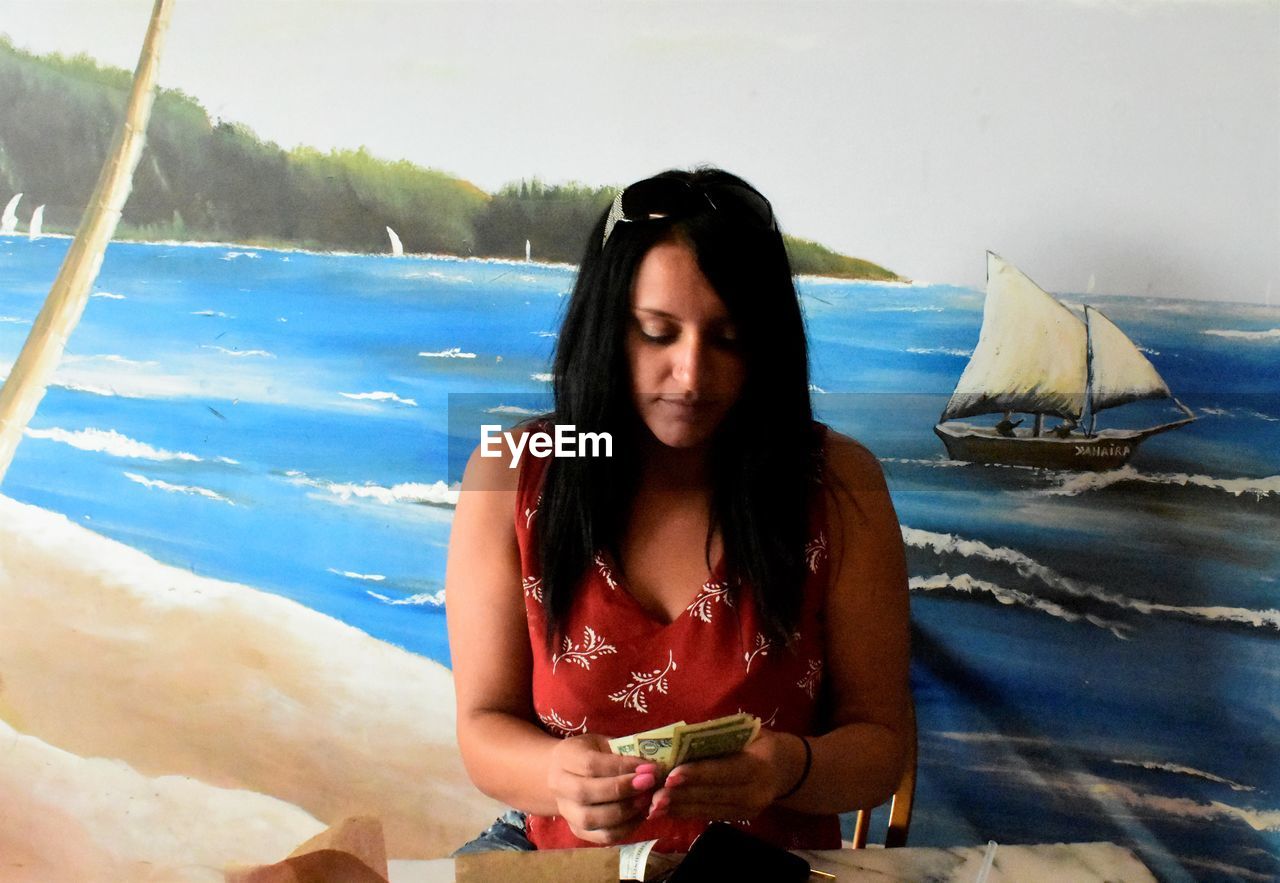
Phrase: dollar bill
{"type": "Point", "coordinates": [624, 746]}
{"type": "Point", "coordinates": [678, 742]}
{"type": "Point", "coordinates": [715, 738]}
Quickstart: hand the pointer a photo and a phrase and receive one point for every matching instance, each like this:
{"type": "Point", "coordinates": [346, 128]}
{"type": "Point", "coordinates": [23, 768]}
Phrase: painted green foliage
{"type": "Point", "coordinates": [217, 181]}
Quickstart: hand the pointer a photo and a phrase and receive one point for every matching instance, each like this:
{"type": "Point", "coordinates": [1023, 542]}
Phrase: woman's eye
{"type": "Point", "coordinates": [657, 335]}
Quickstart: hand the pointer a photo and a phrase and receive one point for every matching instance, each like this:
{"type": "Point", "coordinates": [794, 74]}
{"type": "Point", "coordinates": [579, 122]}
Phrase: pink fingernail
{"type": "Point", "coordinates": [646, 768]}
{"type": "Point", "coordinates": [674, 779]}
{"type": "Point", "coordinates": [643, 782]}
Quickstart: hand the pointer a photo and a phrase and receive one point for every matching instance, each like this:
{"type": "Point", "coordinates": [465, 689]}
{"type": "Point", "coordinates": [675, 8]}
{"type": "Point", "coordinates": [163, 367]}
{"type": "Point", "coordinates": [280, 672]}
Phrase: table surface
{"type": "Point", "coordinates": [1076, 862]}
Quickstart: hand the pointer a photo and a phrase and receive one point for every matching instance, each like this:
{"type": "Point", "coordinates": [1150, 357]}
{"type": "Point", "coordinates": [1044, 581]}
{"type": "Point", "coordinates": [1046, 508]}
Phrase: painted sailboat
{"type": "Point", "coordinates": [36, 230]}
{"type": "Point", "coordinates": [9, 219]}
{"type": "Point", "coordinates": [1034, 356]}
{"type": "Point", "coordinates": [528, 251]}
{"type": "Point", "coordinates": [397, 249]}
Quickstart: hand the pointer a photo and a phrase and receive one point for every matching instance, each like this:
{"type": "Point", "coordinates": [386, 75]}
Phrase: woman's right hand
{"type": "Point", "coordinates": [602, 796]}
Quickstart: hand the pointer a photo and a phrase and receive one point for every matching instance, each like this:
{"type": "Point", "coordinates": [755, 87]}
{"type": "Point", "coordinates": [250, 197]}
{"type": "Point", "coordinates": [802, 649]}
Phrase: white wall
{"type": "Point", "coordinates": [1125, 147]}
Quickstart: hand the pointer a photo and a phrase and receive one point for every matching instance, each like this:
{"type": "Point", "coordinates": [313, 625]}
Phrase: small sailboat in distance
{"type": "Point", "coordinates": [37, 224]}
{"type": "Point", "coordinates": [1035, 356]}
{"type": "Point", "coordinates": [397, 250]}
{"type": "Point", "coordinates": [9, 220]}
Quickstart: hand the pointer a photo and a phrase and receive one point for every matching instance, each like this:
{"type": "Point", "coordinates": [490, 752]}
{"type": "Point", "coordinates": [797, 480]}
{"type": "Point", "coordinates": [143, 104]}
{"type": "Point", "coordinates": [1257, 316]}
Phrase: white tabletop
{"type": "Point", "coordinates": [1077, 862]}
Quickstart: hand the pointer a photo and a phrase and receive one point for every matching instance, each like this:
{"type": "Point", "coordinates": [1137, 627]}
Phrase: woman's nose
{"type": "Point", "coordinates": [690, 364]}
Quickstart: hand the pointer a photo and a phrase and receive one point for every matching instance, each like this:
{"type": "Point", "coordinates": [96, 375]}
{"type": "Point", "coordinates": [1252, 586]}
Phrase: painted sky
{"type": "Point", "coordinates": [1116, 147]}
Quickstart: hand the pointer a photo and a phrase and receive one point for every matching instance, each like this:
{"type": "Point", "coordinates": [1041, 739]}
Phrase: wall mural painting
{"type": "Point", "coordinates": [223, 536]}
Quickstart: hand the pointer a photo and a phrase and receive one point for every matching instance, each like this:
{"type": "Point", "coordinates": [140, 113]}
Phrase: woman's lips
{"type": "Point", "coordinates": [687, 410]}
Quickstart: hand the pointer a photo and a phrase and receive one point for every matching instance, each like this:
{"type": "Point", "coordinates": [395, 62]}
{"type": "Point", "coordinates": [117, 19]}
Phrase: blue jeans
{"type": "Point", "coordinates": [507, 832]}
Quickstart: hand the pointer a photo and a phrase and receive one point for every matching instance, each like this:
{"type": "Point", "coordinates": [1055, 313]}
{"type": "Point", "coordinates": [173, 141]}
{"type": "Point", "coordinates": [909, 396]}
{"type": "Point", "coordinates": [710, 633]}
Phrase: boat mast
{"type": "Point", "coordinates": [29, 377]}
{"type": "Point", "coordinates": [1088, 376]}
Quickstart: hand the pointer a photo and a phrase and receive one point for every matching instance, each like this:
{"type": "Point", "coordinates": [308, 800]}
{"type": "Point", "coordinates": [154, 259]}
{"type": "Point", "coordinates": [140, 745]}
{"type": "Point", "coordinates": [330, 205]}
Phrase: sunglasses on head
{"type": "Point", "coordinates": [670, 199]}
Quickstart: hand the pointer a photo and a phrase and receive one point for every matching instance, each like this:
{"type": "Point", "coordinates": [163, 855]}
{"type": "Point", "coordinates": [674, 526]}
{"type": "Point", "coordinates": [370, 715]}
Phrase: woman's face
{"type": "Point", "coordinates": [686, 364]}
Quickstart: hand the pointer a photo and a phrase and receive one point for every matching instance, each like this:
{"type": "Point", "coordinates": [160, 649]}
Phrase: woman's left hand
{"type": "Point", "coordinates": [734, 787]}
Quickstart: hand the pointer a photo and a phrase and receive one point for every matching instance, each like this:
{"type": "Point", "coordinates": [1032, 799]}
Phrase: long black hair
{"type": "Point", "coordinates": [764, 455]}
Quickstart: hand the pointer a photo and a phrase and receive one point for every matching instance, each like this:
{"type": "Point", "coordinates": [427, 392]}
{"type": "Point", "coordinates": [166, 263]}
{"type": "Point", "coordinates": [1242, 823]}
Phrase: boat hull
{"type": "Point", "coordinates": [980, 444]}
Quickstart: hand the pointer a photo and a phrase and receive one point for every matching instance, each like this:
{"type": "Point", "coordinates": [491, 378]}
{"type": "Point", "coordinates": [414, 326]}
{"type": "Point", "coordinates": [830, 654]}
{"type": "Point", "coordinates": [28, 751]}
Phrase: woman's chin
{"type": "Point", "coordinates": [682, 436]}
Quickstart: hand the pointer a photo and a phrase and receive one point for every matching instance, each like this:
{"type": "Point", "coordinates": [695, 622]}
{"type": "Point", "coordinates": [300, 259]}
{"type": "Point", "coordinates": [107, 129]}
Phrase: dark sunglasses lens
{"type": "Point", "coordinates": [660, 198]}
{"type": "Point", "coordinates": [744, 203]}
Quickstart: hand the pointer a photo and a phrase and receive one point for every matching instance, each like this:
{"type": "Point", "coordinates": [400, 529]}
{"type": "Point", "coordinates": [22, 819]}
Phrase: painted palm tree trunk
{"type": "Point", "coordinates": [30, 375]}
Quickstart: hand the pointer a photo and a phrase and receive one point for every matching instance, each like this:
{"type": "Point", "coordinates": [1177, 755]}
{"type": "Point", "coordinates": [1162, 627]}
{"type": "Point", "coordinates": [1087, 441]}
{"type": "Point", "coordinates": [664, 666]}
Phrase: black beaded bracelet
{"type": "Point", "coordinates": [804, 774]}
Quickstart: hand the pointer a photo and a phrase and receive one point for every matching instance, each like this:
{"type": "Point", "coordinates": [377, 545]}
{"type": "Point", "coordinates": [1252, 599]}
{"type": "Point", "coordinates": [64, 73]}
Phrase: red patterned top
{"type": "Point", "coordinates": [619, 671]}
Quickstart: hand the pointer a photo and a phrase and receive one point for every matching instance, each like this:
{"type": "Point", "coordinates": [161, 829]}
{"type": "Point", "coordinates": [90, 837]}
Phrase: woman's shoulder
{"type": "Point", "coordinates": [849, 461]}
{"type": "Point", "coordinates": [492, 465]}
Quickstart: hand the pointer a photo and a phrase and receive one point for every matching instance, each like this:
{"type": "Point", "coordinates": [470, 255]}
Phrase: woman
{"type": "Point", "coordinates": [731, 555]}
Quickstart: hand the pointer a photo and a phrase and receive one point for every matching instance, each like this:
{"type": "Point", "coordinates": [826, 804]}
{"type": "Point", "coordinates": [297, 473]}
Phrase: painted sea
{"type": "Point", "coordinates": [1095, 655]}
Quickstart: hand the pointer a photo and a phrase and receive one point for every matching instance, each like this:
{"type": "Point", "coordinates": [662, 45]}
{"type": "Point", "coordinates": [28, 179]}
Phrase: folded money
{"type": "Point", "coordinates": [679, 742]}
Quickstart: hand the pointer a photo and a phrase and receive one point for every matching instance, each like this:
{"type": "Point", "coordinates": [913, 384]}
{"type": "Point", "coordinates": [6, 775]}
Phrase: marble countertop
{"type": "Point", "coordinates": [1074, 862]}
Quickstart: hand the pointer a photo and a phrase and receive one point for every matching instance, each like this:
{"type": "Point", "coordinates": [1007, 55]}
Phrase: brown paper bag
{"type": "Point", "coordinates": [352, 851]}
{"type": "Point", "coordinates": [544, 866]}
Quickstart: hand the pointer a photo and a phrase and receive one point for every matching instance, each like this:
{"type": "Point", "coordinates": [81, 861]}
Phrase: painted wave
{"type": "Point", "coordinates": [1239, 412]}
{"type": "Point", "coordinates": [969, 585]}
{"type": "Point", "coordinates": [1118, 796]}
{"type": "Point", "coordinates": [239, 353]}
{"type": "Point", "coordinates": [422, 599]}
{"type": "Point", "coordinates": [435, 494]}
{"type": "Point", "coordinates": [157, 484]}
{"type": "Point", "coordinates": [1179, 769]}
{"type": "Point", "coordinates": [350, 574]}
{"type": "Point", "coordinates": [108, 441]}
{"type": "Point", "coordinates": [939, 351]}
{"type": "Point", "coordinates": [1077, 484]}
{"type": "Point", "coordinates": [379, 397]}
{"type": "Point", "coordinates": [454, 352]}
{"type": "Point", "coordinates": [1270, 334]}
{"type": "Point", "coordinates": [512, 409]}
{"type": "Point", "coordinates": [944, 544]}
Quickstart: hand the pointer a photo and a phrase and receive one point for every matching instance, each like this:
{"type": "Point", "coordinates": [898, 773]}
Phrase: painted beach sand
{"type": "Point", "coordinates": [1094, 653]}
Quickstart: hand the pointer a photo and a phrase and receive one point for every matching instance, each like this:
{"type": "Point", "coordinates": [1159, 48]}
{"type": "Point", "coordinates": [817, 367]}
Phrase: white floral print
{"type": "Point", "coordinates": [604, 570]}
{"type": "Point", "coordinates": [592, 647]}
{"type": "Point", "coordinates": [762, 648]}
{"type": "Point", "coordinates": [529, 513]}
{"type": "Point", "coordinates": [816, 551]}
{"type": "Point", "coordinates": [533, 587]}
{"type": "Point", "coordinates": [633, 694]}
{"type": "Point", "coordinates": [812, 677]}
{"type": "Point", "coordinates": [559, 725]}
{"type": "Point", "coordinates": [711, 592]}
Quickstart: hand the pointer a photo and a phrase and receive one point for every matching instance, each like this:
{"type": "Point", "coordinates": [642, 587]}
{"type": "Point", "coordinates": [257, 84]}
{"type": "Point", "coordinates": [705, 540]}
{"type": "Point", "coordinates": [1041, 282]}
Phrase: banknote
{"type": "Point", "coordinates": [675, 743]}
{"type": "Point", "coordinates": [715, 738]}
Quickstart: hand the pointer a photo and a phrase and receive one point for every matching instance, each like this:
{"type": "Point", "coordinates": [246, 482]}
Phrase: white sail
{"type": "Point", "coordinates": [1031, 353]}
{"type": "Point", "coordinates": [1120, 373]}
{"type": "Point", "coordinates": [9, 220]}
{"type": "Point", "coordinates": [37, 223]}
{"type": "Point", "coordinates": [528, 250]}
{"type": "Point", "coordinates": [397, 250]}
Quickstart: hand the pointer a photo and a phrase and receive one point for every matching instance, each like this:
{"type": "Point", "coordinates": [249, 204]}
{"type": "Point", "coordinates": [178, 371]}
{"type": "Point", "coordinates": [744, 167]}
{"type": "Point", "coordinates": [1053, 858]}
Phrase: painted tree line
{"type": "Point", "coordinates": [206, 180]}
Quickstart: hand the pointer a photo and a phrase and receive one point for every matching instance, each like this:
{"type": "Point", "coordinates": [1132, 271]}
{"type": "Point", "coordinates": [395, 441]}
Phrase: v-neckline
{"type": "Point", "coordinates": [620, 586]}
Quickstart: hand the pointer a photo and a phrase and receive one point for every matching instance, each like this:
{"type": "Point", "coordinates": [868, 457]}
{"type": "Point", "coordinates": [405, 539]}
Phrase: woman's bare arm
{"type": "Point", "coordinates": [859, 762]}
{"type": "Point", "coordinates": [506, 754]}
